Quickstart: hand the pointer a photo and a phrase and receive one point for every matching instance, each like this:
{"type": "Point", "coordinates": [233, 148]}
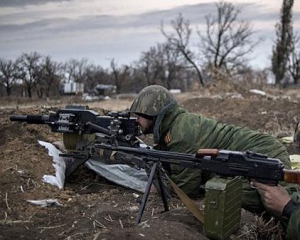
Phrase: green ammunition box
{"type": "Point", "coordinates": [222, 212]}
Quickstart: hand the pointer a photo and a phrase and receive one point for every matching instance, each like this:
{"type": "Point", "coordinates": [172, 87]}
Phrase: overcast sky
{"type": "Point", "coordinates": [101, 30]}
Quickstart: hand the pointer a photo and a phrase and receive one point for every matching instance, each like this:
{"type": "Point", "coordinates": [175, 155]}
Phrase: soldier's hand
{"type": "Point", "coordinates": [275, 197]}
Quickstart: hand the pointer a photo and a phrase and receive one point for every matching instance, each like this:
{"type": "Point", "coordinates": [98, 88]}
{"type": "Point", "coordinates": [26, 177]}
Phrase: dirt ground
{"type": "Point", "coordinates": [93, 208]}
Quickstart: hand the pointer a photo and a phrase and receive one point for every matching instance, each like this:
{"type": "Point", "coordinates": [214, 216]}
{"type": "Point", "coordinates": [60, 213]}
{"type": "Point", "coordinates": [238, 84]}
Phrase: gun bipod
{"type": "Point", "coordinates": [156, 168]}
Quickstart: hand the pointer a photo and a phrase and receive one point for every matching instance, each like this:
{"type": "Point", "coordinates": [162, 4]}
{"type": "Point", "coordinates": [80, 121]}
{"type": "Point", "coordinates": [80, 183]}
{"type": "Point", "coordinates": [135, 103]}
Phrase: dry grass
{"type": "Point", "coordinates": [268, 228]}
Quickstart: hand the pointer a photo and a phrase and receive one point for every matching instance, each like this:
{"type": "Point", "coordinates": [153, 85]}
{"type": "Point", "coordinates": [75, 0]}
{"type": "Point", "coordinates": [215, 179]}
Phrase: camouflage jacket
{"type": "Point", "coordinates": [179, 131]}
{"type": "Point", "coordinates": [293, 229]}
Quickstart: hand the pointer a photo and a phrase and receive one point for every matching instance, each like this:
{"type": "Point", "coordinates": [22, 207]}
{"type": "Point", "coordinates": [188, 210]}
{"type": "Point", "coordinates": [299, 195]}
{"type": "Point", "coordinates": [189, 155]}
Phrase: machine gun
{"type": "Point", "coordinates": [225, 163]}
{"type": "Point", "coordinates": [81, 127]}
{"type": "Point", "coordinates": [80, 120]}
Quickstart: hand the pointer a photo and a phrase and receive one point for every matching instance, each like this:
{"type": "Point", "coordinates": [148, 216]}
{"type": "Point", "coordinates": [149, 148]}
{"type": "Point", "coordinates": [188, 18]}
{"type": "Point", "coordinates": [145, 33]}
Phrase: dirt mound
{"type": "Point", "coordinates": [93, 208]}
{"type": "Point", "coordinates": [277, 117]}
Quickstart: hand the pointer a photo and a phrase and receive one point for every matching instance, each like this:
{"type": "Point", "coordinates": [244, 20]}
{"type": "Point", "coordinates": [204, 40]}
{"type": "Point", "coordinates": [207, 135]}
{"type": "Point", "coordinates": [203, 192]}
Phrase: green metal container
{"type": "Point", "coordinates": [222, 212]}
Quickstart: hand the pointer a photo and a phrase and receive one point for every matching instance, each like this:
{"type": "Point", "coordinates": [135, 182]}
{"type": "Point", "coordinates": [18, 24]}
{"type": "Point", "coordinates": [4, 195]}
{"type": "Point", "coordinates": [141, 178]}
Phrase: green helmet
{"type": "Point", "coordinates": [151, 100]}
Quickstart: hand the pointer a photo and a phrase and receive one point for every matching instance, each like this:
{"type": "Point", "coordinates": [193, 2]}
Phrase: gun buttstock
{"type": "Point", "coordinates": [291, 176]}
{"type": "Point", "coordinates": [207, 152]}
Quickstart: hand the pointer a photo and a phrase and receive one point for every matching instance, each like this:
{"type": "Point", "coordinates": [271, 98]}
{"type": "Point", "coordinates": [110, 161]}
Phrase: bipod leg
{"type": "Point", "coordinates": [146, 194]}
{"type": "Point", "coordinates": [162, 189]}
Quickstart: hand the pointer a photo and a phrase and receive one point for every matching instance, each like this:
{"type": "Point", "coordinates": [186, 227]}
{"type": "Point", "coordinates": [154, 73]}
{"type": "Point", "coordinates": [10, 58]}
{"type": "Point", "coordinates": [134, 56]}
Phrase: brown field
{"type": "Point", "coordinates": [93, 208]}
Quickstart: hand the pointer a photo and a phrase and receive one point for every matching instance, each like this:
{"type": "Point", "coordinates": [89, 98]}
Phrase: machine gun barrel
{"type": "Point", "coordinates": [31, 119]}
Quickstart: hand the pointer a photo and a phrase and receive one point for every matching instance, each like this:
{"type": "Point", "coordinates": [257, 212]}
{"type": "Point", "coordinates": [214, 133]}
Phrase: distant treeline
{"type": "Point", "coordinates": [222, 54]}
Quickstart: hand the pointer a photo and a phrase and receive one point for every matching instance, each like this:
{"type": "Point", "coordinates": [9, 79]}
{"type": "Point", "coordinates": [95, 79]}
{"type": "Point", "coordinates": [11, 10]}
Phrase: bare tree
{"type": "Point", "coordinates": [172, 64]}
{"type": "Point", "coordinates": [283, 45]}
{"type": "Point", "coordinates": [50, 78]}
{"type": "Point", "coordinates": [227, 40]}
{"type": "Point", "coordinates": [96, 75]}
{"type": "Point", "coordinates": [180, 41]}
{"type": "Point", "coordinates": [294, 60]}
{"type": "Point", "coordinates": [150, 65]}
{"type": "Point", "coordinates": [76, 70]}
{"type": "Point", "coordinates": [161, 65]}
{"type": "Point", "coordinates": [154, 64]}
{"type": "Point", "coordinates": [8, 74]}
{"type": "Point", "coordinates": [30, 70]}
{"type": "Point", "coordinates": [120, 74]}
